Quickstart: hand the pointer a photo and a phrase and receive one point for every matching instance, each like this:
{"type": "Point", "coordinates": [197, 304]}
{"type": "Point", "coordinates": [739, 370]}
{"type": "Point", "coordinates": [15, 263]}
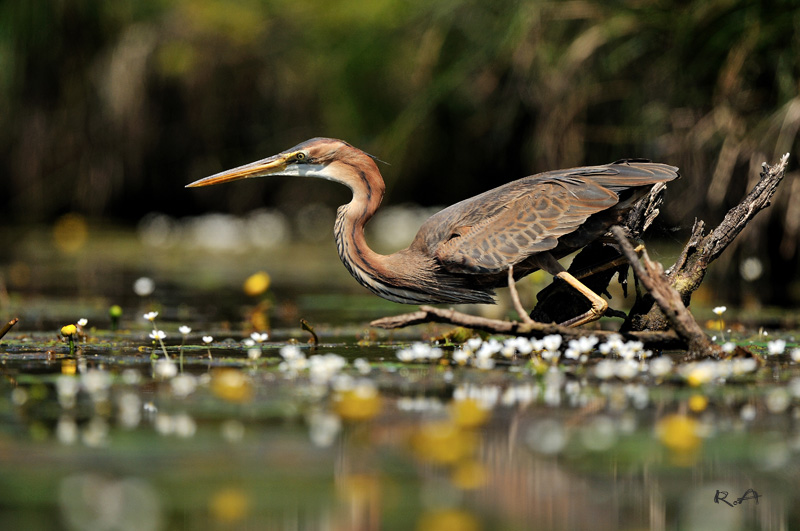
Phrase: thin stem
{"type": "Point", "coordinates": [161, 341]}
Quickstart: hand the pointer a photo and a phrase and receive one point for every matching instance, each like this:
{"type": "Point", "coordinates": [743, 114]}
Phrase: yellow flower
{"type": "Point", "coordinates": [68, 367]}
{"type": "Point", "coordinates": [70, 233]}
{"type": "Point", "coordinates": [469, 475]}
{"type": "Point", "coordinates": [448, 520]}
{"type": "Point", "coordinates": [679, 433]}
{"type": "Point", "coordinates": [361, 403]}
{"type": "Point", "coordinates": [231, 385]}
{"type": "Point", "coordinates": [229, 505]}
{"type": "Point", "coordinates": [698, 403]}
{"type": "Point", "coordinates": [256, 284]}
{"type": "Point", "coordinates": [468, 413]}
{"type": "Point", "coordinates": [443, 442]}
{"type": "Point", "coordinates": [69, 330]}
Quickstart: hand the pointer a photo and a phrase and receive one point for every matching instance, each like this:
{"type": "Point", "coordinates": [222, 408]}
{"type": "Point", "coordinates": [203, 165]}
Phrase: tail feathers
{"type": "Point", "coordinates": [630, 173]}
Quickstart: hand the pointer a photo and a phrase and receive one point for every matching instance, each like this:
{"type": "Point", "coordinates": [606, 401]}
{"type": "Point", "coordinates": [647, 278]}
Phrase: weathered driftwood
{"type": "Point", "coordinates": [651, 274]}
{"type": "Point", "coordinates": [665, 304]}
{"type": "Point", "coordinates": [689, 270]}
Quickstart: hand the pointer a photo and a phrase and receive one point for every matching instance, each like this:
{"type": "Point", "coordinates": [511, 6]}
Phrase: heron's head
{"type": "Point", "coordinates": [324, 158]}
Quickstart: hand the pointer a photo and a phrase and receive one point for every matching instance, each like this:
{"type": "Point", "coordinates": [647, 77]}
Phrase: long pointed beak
{"type": "Point", "coordinates": [268, 166]}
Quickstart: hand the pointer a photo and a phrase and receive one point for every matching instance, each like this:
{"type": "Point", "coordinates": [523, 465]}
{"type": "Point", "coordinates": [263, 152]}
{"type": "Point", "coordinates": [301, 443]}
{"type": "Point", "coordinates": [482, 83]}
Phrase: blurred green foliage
{"type": "Point", "coordinates": [109, 108]}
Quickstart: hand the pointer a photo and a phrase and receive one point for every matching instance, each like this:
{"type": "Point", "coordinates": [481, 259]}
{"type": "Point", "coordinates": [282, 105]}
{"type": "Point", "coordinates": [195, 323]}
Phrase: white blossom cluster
{"type": "Point", "coordinates": [481, 353]}
{"type": "Point", "coordinates": [419, 352]}
{"type": "Point", "coordinates": [322, 368]}
{"type": "Point", "coordinates": [700, 372]}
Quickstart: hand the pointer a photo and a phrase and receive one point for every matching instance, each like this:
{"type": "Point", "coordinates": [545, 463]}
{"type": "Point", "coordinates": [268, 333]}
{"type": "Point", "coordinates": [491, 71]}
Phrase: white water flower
{"type": "Point", "coordinates": [522, 345]}
{"type": "Point", "coordinates": [362, 366]}
{"type": "Point", "coordinates": [82, 322]}
{"type": "Point", "coordinates": [259, 337]}
{"type": "Point", "coordinates": [474, 343]}
{"type": "Point", "coordinates": [719, 310]}
{"type": "Point", "coordinates": [584, 344]}
{"type": "Point", "coordinates": [158, 334]}
{"type": "Point", "coordinates": [775, 347]}
{"type": "Point", "coordinates": [728, 347]}
{"type": "Point", "coordinates": [661, 366]}
{"type": "Point", "coordinates": [184, 330]}
{"type": "Point", "coordinates": [322, 368]}
{"type": "Point", "coordinates": [405, 355]}
{"type": "Point", "coordinates": [484, 364]}
{"type": "Point", "coordinates": [631, 349]}
{"type": "Point", "coordinates": [461, 356]}
{"type": "Point", "coordinates": [551, 355]}
{"type": "Point", "coordinates": [183, 385]}
{"type": "Point", "coordinates": [626, 369]}
{"type": "Point", "coordinates": [97, 383]}
{"type": "Point", "coordinates": [741, 366]}
{"type": "Point", "coordinates": [552, 342]}
{"type": "Point", "coordinates": [165, 368]}
{"type": "Point", "coordinates": [612, 344]}
{"type": "Point", "coordinates": [150, 316]}
{"type": "Point", "coordinates": [67, 389]}
{"type": "Point", "coordinates": [144, 286]}
{"type": "Point", "coordinates": [207, 339]}
{"type": "Point", "coordinates": [419, 352]}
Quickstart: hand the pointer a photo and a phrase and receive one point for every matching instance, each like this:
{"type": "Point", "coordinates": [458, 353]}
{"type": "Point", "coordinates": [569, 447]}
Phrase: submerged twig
{"type": "Point", "coordinates": [8, 326]}
{"type": "Point", "coordinates": [308, 328]}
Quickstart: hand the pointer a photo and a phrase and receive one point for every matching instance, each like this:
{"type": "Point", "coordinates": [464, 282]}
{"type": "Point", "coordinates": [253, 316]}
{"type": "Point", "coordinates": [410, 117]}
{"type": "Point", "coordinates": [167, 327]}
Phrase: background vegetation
{"type": "Point", "coordinates": [108, 108]}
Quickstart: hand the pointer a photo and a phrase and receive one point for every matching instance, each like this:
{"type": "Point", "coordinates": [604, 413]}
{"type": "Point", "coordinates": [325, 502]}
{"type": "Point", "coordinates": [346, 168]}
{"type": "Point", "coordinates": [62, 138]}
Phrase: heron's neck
{"type": "Point", "coordinates": [362, 262]}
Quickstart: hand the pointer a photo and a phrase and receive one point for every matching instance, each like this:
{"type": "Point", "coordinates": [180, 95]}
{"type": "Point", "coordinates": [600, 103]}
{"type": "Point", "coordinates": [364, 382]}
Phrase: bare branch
{"type": "Point", "coordinates": [429, 314]}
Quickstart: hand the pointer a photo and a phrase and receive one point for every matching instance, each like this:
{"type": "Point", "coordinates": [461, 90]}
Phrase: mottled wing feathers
{"type": "Point", "coordinates": [526, 224]}
{"type": "Point", "coordinates": [504, 226]}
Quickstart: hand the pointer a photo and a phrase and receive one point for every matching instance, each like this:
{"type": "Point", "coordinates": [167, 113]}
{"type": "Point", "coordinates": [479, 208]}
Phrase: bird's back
{"type": "Point", "coordinates": [504, 226]}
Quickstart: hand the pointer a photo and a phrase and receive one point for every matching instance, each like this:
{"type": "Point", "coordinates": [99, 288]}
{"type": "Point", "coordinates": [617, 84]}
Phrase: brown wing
{"type": "Point", "coordinates": [501, 227]}
{"type": "Point", "coordinates": [520, 224]}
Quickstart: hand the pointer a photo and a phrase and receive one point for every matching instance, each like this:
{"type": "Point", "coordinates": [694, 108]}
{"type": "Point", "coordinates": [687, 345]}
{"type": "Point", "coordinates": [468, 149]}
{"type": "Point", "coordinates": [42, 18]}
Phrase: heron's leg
{"type": "Point", "coordinates": [599, 304]}
{"type": "Point", "coordinates": [611, 264]}
{"type": "Point", "coordinates": [512, 288]}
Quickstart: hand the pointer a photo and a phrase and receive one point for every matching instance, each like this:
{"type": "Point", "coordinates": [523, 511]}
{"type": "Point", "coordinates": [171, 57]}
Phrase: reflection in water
{"type": "Point", "coordinates": [93, 501]}
{"type": "Point", "coordinates": [301, 439]}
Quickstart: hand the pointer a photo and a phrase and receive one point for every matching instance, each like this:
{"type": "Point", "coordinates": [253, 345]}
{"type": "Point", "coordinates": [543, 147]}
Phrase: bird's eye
{"type": "Point", "coordinates": [300, 157]}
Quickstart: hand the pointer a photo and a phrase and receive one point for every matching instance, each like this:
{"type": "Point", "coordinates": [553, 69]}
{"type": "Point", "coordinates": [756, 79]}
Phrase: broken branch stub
{"type": "Point", "coordinates": [651, 275]}
{"type": "Point", "coordinates": [688, 272]}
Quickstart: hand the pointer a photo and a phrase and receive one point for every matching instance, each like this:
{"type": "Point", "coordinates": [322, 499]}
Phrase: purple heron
{"type": "Point", "coordinates": [464, 252]}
